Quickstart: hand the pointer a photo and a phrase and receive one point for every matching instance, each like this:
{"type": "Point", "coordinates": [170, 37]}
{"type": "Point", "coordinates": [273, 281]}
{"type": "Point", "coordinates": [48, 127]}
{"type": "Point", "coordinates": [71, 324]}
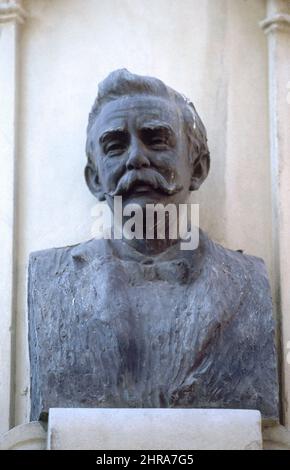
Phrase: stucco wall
{"type": "Point", "coordinates": [212, 51]}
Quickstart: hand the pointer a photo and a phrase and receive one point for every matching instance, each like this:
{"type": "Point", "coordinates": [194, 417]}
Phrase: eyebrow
{"type": "Point", "coordinates": [157, 126]}
{"type": "Point", "coordinates": [112, 133]}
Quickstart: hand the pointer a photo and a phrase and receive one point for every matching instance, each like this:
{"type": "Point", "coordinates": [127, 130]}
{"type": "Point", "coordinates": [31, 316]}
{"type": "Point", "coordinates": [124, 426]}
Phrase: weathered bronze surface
{"type": "Point", "coordinates": [141, 323]}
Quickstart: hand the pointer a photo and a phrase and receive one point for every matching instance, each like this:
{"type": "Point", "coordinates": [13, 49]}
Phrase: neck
{"type": "Point", "coordinates": [150, 247]}
{"type": "Point", "coordinates": [153, 239]}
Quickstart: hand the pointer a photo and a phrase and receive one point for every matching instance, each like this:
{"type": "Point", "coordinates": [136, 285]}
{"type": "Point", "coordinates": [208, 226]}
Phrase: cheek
{"type": "Point", "coordinates": [110, 170]}
{"type": "Point", "coordinates": [184, 174]}
{"type": "Point", "coordinates": [185, 165]}
{"type": "Point", "coordinates": [175, 165]}
{"type": "Point", "coordinates": [167, 163]}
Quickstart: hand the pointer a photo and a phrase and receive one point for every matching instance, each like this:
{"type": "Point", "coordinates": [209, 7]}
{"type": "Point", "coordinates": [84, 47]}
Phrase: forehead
{"type": "Point", "coordinates": [128, 112]}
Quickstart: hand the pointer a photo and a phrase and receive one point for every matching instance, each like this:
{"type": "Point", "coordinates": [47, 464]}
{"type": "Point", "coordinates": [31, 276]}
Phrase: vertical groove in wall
{"type": "Point", "coordinates": [8, 75]}
{"type": "Point", "coordinates": [275, 211]}
{"type": "Point", "coordinates": [21, 359]}
{"type": "Point", "coordinates": [15, 229]}
{"type": "Point", "coordinates": [277, 28]}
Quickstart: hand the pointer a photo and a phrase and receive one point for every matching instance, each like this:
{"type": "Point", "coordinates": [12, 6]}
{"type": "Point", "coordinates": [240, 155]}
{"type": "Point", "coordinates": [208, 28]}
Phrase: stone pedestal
{"type": "Point", "coordinates": [156, 429]}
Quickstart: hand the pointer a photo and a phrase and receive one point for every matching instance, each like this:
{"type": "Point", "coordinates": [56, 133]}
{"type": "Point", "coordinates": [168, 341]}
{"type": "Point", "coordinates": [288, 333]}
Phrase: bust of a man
{"type": "Point", "coordinates": [140, 322]}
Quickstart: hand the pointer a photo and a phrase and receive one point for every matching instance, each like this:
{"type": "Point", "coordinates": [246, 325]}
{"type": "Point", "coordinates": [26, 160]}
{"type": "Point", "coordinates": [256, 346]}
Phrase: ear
{"type": "Point", "coordinates": [92, 180]}
{"type": "Point", "coordinates": [200, 170]}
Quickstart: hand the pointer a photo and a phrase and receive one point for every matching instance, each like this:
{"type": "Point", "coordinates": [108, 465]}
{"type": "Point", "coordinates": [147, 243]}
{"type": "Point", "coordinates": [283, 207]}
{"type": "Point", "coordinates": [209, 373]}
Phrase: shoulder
{"type": "Point", "coordinates": [245, 269]}
{"type": "Point", "coordinates": [55, 275]}
{"type": "Point", "coordinates": [56, 261]}
{"type": "Point", "coordinates": [247, 286]}
{"type": "Point", "coordinates": [240, 282]}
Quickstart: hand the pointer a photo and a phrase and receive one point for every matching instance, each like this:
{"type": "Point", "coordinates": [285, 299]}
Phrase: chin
{"type": "Point", "coordinates": [142, 199]}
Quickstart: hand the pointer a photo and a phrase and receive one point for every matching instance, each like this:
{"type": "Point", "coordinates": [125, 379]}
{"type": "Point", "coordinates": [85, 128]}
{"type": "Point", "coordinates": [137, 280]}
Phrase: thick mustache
{"type": "Point", "coordinates": [147, 177]}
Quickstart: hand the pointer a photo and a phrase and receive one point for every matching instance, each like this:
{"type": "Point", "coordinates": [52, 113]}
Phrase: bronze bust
{"type": "Point", "coordinates": [142, 323]}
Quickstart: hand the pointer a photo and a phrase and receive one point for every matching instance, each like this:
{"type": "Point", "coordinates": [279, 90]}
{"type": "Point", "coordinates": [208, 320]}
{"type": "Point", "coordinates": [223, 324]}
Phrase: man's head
{"type": "Point", "coordinates": [145, 142]}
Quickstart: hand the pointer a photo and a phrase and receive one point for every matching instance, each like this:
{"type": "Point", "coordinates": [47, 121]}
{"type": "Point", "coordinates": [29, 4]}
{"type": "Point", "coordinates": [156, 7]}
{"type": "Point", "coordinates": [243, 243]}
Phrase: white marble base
{"type": "Point", "coordinates": [156, 429]}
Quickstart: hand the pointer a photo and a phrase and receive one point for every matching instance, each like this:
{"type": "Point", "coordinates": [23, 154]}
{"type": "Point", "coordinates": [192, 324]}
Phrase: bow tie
{"type": "Point", "coordinates": [174, 271]}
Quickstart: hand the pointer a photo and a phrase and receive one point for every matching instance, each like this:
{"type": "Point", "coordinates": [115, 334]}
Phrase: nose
{"type": "Point", "coordinates": [137, 158]}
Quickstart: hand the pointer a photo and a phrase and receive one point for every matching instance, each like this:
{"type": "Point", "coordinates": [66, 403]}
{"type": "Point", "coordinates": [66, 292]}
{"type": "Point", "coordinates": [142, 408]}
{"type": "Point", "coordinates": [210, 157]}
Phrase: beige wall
{"type": "Point", "coordinates": [212, 51]}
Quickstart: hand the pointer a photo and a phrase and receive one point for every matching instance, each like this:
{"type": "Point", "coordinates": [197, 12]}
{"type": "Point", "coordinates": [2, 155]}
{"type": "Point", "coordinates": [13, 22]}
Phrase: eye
{"type": "Point", "coordinates": [115, 144]}
{"type": "Point", "coordinates": [115, 148]}
{"type": "Point", "coordinates": [157, 139]}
